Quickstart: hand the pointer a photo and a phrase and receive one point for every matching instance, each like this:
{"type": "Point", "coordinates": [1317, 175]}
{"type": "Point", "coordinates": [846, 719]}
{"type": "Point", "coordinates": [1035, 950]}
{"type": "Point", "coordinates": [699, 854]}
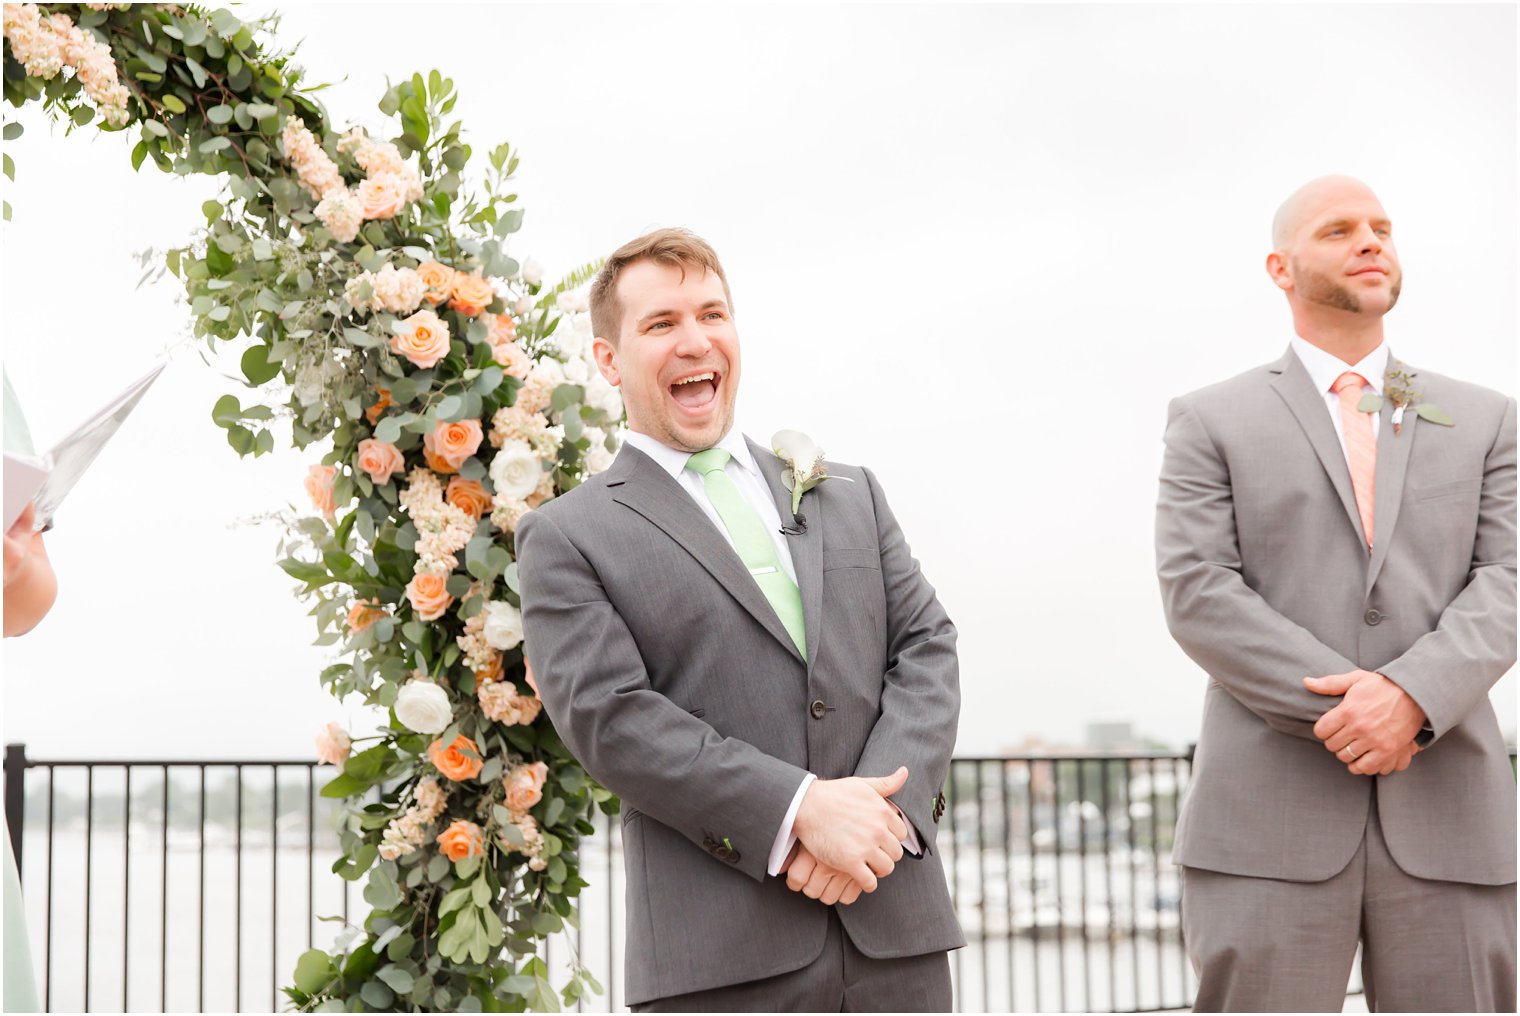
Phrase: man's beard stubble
{"type": "Point", "coordinates": [1321, 289]}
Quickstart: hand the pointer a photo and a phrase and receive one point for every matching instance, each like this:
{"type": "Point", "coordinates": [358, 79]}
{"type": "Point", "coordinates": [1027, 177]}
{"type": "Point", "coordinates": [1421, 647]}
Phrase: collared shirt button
{"type": "Point", "coordinates": [818, 709]}
{"type": "Point", "coordinates": [1373, 616]}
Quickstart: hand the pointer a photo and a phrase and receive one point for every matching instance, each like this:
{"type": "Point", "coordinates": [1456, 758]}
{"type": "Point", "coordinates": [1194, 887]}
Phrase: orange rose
{"type": "Point", "coordinates": [491, 674]}
{"type": "Point", "coordinates": [525, 786]}
{"type": "Point", "coordinates": [453, 762]}
{"type": "Point", "coordinates": [437, 463]}
{"type": "Point", "coordinates": [471, 294]}
{"type": "Point", "coordinates": [382, 196]}
{"type": "Point", "coordinates": [424, 340]}
{"type": "Point", "coordinates": [461, 839]}
{"type": "Point", "coordinates": [380, 459]}
{"type": "Point", "coordinates": [319, 484]}
{"type": "Point", "coordinates": [429, 596]}
{"type": "Point", "coordinates": [384, 402]}
{"type": "Point", "coordinates": [468, 496]}
{"type": "Point", "coordinates": [363, 614]}
{"type": "Point", "coordinates": [439, 280]}
{"type": "Point", "coordinates": [457, 441]}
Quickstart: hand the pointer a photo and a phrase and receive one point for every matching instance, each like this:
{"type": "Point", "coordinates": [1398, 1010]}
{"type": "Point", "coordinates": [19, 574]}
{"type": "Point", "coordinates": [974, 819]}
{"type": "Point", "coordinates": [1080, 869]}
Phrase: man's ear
{"type": "Point", "coordinates": [606, 360]}
{"type": "Point", "coordinates": [1277, 268]}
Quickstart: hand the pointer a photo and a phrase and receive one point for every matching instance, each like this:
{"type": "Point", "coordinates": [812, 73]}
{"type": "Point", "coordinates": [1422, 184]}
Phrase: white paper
{"type": "Point", "coordinates": [66, 463]}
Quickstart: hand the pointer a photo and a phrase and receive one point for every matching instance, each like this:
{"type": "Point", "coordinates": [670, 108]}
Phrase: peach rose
{"type": "Point", "coordinates": [333, 745]}
{"type": "Point", "coordinates": [470, 294]}
{"type": "Point", "coordinates": [381, 405]}
{"type": "Point", "coordinates": [457, 441]}
{"type": "Point", "coordinates": [512, 359]}
{"type": "Point", "coordinates": [439, 280]}
{"type": "Point", "coordinates": [380, 459]}
{"type": "Point", "coordinates": [501, 328]}
{"type": "Point", "coordinates": [382, 196]}
{"type": "Point", "coordinates": [319, 484]}
{"type": "Point", "coordinates": [468, 496]}
{"type": "Point", "coordinates": [453, 762]}
{"type": "Point", "coordinates": [424, 340]}
{"type": "Point", "coordinates": [461, 839]}
{"type": "Point", "coordinates": [525, 786]}
{"type": "Point", "coordinates": [363, 614]}
{"type": "Point", "coordinates": [429, 596]}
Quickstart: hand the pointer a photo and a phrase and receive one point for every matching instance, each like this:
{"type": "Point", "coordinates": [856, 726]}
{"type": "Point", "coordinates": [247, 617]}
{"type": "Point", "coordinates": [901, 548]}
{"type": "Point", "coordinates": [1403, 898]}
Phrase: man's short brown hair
{"type": "Point", "coordinates": [679, 248]}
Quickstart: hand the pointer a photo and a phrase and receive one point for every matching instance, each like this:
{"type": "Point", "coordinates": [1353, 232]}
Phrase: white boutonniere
{"type": "Point", "coordinates": [804, 467]}
{"type": "Point", "coordinates": [1400, 388]}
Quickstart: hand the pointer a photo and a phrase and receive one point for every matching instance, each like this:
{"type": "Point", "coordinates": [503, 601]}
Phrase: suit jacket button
{"type": "Point", "coordinates": [1372, 617]}
{"type": "Point", "coordinates": [818, 709]}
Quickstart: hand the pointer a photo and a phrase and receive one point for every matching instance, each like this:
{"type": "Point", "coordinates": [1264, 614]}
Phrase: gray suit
{"type": "Point", "coordinates": [1266, 579]}
{"type": "Point", "coordinates": [670, 677]}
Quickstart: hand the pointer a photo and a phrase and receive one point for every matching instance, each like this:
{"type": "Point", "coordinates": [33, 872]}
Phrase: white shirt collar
{"type": "Point", "coordinates": [1325, 367]}
{"type": "Point", "coordinates": [673, 460]}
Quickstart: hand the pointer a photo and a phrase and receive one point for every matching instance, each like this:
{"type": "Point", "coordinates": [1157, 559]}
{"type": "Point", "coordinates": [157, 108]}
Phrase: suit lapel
{"type": "Point", "coordinates": [1388, 480]}
{"type": "Point", "coordinates": [806, 547]}
{"type": "Point", "coordinates": [1307, 404]}
{"type": "Point", "coordinates": [637, 482]}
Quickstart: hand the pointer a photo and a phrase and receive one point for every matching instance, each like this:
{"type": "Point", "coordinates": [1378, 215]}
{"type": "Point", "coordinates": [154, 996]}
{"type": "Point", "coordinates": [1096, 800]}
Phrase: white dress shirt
{"type": "Point", "coordinates": [1325, 367]}
{"type": "Point", "coordinates": [746, 476]}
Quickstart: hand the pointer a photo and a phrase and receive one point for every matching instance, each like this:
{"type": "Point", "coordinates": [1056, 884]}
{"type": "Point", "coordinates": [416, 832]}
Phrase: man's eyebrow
{"type": "Point", "coordinates": [654, 314]}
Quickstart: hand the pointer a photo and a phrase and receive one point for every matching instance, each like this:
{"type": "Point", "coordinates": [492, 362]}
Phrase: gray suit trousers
{"type": "Point", "coordinates": [841, 979]}
{"type": "Point", "coordinates": [1268, 945]}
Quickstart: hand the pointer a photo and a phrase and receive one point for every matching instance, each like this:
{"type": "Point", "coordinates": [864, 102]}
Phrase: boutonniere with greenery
{"type": "Point", "coordinates": [1400, 388]}
{"type": "Point", "coordinates": [804, 468]}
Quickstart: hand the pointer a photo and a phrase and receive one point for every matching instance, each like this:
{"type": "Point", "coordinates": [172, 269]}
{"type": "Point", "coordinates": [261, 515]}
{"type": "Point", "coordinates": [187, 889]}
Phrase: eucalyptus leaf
{"type": "Point", "coordinates": [1434, 414]}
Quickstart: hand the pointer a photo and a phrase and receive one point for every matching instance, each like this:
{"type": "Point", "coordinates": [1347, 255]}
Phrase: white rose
{"type": "Point", "coordinates": [565, 302]}
{"type": "Point", "coordinates": [515, 471]}
{"type": "Point", "coordinates": [424, 707]}
{"type": "Point", "coordinates": [532, 272]}
{"type": "Point", "coordinates": [603, 396]}
{"type": "Point", "coordinates": [598, 458]}
{"type": "Point", "coordinates": [549, 372]}
{"type": "Point", "coordinates": [524, 307]}
{"type": "Point", "coordinates": [579, 302]}
{"type": "Point", "coordinates": [503, 625]}
{"type": "Point", "coordinates": [576, 371]}
{"type": "Point", "coordinates": [571, 341]}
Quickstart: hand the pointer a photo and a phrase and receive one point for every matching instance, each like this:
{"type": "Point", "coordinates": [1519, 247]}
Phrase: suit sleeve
{"type": "Point", "coordinates": [653, 754]}
{"type": "Point", "coordinates": [1450, 670]}
{"type": "Point", "coordinates": [1256, 654]}
{"type": "Point", "coordinates": [921, 697]}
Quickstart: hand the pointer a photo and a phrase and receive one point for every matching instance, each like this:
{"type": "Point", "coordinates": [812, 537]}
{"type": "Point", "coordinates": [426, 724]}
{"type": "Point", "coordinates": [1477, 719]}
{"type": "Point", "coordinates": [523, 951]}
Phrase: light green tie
{"type": "Point", "coordinates": [751, 541]}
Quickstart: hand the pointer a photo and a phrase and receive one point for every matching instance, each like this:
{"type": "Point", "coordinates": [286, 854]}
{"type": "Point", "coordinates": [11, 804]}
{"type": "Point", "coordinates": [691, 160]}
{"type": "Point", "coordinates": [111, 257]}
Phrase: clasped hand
{"type": "Point", "coordinates": [849, 836]}
{"type": "Point", "coordinates": [1372, 730]}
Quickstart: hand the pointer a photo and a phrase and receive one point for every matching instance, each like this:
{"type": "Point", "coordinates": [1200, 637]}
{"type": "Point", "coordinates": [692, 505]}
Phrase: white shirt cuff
{"type": "Point", "coordinates": [785, 838]}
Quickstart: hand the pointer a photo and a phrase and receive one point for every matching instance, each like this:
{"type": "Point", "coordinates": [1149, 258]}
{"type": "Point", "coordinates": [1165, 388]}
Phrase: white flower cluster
{"type": "Point", "coordinates": [44, 47]}
{"type": "Point", "coordinates": [442, 528]}
{"type": "Point", "coordinates": [407, 831]}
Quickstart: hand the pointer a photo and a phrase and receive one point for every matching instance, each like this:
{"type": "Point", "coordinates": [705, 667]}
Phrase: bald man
{"type": "Point", "coordinates": [1335, 540]}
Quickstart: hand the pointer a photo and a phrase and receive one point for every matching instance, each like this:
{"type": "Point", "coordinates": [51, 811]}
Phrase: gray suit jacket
{"type": "Point", "coordinates": [668, 674]}
{"type": "Point", "coordinates": [1266, 579]}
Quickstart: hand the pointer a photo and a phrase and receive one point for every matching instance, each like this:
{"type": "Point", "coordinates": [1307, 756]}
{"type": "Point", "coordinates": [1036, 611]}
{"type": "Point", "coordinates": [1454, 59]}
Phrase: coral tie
{"type": "Point", "coordinates": [1361, 446]}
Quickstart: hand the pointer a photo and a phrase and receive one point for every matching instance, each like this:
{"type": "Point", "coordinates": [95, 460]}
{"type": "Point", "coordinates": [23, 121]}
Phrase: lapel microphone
{"type": "Point", "coordinates": [797, 530]}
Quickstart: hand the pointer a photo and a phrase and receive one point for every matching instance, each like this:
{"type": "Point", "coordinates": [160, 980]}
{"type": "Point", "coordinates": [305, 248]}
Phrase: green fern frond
{"type": "Point", "coordinates": [582, 275]}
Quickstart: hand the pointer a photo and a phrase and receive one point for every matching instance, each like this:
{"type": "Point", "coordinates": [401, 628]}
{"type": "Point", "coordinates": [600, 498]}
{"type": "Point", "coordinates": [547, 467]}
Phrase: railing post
{"type": "Point", "coordinates": [15, 797]}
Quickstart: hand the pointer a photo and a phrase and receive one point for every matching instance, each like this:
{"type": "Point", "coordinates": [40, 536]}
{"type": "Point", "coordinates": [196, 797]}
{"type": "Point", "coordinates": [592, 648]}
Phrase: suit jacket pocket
{"type": "Point", "coordinates": [846, 557]}
{"type": "Point", "coordinates": [1452, 488]}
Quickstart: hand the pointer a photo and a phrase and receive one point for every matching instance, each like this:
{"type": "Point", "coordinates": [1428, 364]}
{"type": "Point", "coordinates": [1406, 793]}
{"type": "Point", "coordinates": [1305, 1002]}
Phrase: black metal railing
{"type": "Point", "coordinates": [195, 885]}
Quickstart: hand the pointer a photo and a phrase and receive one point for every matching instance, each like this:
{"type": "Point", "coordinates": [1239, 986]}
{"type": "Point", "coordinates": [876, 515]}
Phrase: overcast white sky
{"type": "Point", "coordinates": [974, 248]}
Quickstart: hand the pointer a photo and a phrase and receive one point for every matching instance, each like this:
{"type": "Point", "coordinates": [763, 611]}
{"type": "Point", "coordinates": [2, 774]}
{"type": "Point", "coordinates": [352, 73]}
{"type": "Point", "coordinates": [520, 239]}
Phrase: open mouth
{"type": "Point", "coordinates": [695, 392]}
